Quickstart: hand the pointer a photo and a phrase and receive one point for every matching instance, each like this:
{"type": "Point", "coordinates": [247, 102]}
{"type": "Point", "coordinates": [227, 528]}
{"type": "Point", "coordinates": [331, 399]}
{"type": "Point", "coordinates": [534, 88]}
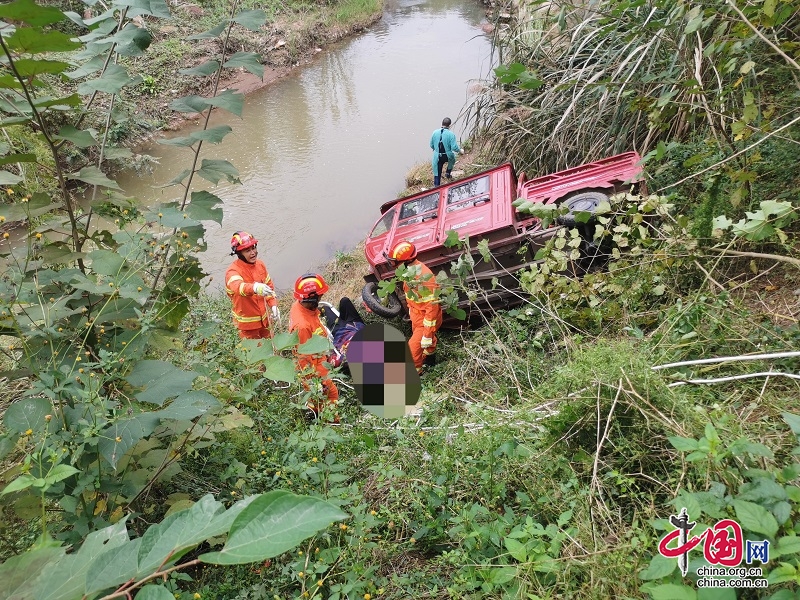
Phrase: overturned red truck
{"type": "Point", "coordinates": [480, 206]}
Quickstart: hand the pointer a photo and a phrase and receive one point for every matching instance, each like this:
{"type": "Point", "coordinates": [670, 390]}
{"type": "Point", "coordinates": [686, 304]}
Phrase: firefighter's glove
{"type": "Point", "coordinates": [426, 342]}
{"type": "Point", "coordinates": [461, 151]}
{"type": "Point", "coordinates": [276, 314]}
{"type": "Point", "coordinates": [262, 289]}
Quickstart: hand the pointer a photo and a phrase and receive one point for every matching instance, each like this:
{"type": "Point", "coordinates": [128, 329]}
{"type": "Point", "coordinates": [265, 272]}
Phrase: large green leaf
{"type": "Point", "coordinates": [9, 159]}
{"type": "Point", "coordinates": [251, 19]}
{"type": "Point", "coordinates": [189, 405]}
{"type": "Point", "coordinates": [249, 61]}
{"type": "Point", "coordinates": [29, 67]}
{"type": "Point", "coordinates": [215, 170]}
{"type": "Point", "coordinates": [117, 439]}
{"type": "Point", "coordinates": [203, 207]}
{"type": "Point", "coordinates": [671, 591]}
{"type": "Point", "coordinates": [182, 141]}
{"type": "Point", "coordinates": [111, 81]}
{"type": "Point", "coordinates": [34, 41]}
{"type": "Point", "coordinates": [755, 518]}
{"type": "Point", "coordinates": [213, 135]}
{"type": "Point", "coordinates": [117, 566]}
{"type": "Point", "coordinates": [160, 379]}
{"type": "Point", "coordinates": [154, 592]}
{"type": "Point", "coordinates": [279, 368]}
{"type": "Point", "coordinates": [82, 138]}
{"type": "Point", "coordinates": [27, 413]}
{"type": "Point", "coordinates": [19, 573]}
{"type": "Point", "coordinates": [93, 176]}
{"type": "Point", "coordinates": [7, 178]}
{"type": "Point", "coordinates": [793, 421]}
{"type": "Point", "coordinates": [66, 580]}
{"type": "Point", "coordinates": [177, 532]}
{"type": "Point", "coordinates": [284, 340]}
{"type": "Point", "coordinates": [204, 70]}
{"type": "Point", "coordinates": [132, 40]}
{"type": "Point", "coordinates": [315, 345]}
{"type": "Point", "coordinates": [189, 104]}
{"type": "Point", "coordinates": [31, 13]}
{"type": "Point", "coordinates": [106, 262]}
{"type": "Point", "coordinates": [229, 100]}
{"type": "Point", "coordinates": [272, 524]}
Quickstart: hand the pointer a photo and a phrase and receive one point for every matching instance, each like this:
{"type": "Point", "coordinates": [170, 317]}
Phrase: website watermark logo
{"type": "Point", "coordinates": [724, 547]}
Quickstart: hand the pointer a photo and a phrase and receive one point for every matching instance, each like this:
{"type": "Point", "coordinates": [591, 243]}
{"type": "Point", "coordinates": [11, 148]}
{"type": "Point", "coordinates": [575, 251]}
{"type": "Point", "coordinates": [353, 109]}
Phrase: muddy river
{"type": "Point", "coordinates": [320, 150]}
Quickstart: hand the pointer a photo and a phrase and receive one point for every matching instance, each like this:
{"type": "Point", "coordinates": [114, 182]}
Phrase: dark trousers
{"type": "Point", "coordinates": [437, 179]}
{"type": "Point", "coordinates": [347, 314]}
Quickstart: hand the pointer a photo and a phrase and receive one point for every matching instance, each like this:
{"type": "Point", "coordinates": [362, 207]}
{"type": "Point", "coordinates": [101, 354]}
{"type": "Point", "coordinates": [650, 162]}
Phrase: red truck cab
{"type": "Point", "coordinates": [480, 206]}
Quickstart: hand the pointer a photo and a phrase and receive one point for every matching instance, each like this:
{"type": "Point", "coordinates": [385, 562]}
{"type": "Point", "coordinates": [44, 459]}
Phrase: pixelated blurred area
{"type": "Point", "coordinates": [384, 377]}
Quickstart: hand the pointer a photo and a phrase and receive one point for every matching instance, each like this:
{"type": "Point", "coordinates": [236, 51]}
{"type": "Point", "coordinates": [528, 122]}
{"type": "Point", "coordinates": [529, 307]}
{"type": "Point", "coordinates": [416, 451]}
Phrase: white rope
{"type": "Point", "coordinates": [734, 377]}
{"type": "Point", "coordinates": [746, 357]}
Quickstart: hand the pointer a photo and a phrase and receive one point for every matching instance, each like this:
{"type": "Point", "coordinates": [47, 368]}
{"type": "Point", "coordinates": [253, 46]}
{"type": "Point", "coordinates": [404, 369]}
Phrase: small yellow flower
{"type": "Point", "coordinates": [9, 191]}
{"type": "Point", "coordinates": [139, 289]}
{"type": "Point", "coordinates": [2, 219]}
{"type": "Point", "coordinates": [77, 359]}
{"type": "Point", "coordinates": [301, 575]}
{"type": "Point", "coordinates": [367, 597]}
{"type": "Point", "coordinates": [314, 459]}
{"type": "Point", "coordinates": [196, 596]}
{"type": "Point", "coordinates": [269, 439]}
{"type": "Point", "coordinates": [413, 540]}
{"type": "Point", "coordinates": [188, 280]}
{"type": "Point", "coordinates": [48, 418]}
{"type": "Point", "coordinates": [28, 431]}
{"type": "Point", "coordinates": [118, 439]}
{"type": "Point", "coordinates": [160, 215]}
{"type": "Point", "coordinates": [320, 582]}
{"type": "Point", "coordinates": [38, 236]}
{"type": "Point", "coordinates": [80, 370]}
{"type": "Point", "coordinates": [263, 452]}
{"type": "Point", "coordinates": [343, 527]}
{"type": "Point", "coordinates": [277, 473]}
{"type": "Point", "coordinates": [300, 553]}
{"type": "Point", "coordinates": [233, 492]}
{"type": "Point", "coordinates": [421, 434]}
{"type": "Point", "coordinates": [5, 236]}
{"type": "Point", "coordinates": [373, 513]}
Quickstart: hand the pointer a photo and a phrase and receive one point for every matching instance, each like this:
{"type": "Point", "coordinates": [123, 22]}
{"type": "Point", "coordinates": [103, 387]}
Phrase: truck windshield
{"type": "Point", "coordinates": [384, 224]}
{"type": "Point", "coordinates": [419, 206]}
{"type": "Point", "coordinates": [470, 189]}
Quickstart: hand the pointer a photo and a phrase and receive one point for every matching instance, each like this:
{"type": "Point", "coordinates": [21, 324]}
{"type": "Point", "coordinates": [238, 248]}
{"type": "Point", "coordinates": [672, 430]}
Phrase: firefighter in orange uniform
{"type": "Point", "coordinates": [250, 289]}
{"type": "Point", "coordinates": [304, 318]}
{"type": "Point", "coordinates": [423, 304]}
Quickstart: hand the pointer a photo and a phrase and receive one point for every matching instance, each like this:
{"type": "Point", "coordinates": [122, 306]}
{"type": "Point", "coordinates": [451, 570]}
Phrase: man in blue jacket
{"type": "Point", "coordinates": [445, 147]}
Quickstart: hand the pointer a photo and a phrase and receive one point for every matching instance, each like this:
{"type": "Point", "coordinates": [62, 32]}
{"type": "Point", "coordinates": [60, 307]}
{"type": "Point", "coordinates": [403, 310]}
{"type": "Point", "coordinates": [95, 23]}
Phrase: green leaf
{"type": "Point", "coordinates": [27, 413]}
{"type": "Point", "coordinates": [17, 158]}
{"type": "Point", "coordinates": [31, 13]}
{"type": "Point", "coordinates": [155, 8]}
{"type": "Point", "coordinates": [60, 472]}
{"type": "Point", "coordinates": [284, 340]}
{"type": "Point", "coordinates": [28, 67]}
{"type": "Point", "coordinates": [786, 572]}
{"type": "Point", "coordinates": [7, 178]}
{"type": "Point", "coordinates": [216, 170]}
{"type": "Point", "coordinates": [34, 41]}
{"type": "Point", "coordinates": [111, 81]}
{"type": "Point", "coordinates": [160, 379]}
{"type": "Point", "coordinates": [117, 566]}
{"type": "Point", "coordinates": [203, 70]}
{"type": "Point", "coordinates": [67, 579]}
{"type": "Point", "coordinates": [132, 40]}
{"type": "Point", "coordinates": [190, 104]}
{"type": "Point", "coordinates": [106, 262]}
{"type": "Point", "coordinates": [189, 405]}
{"type": "Point", "coordinates": [315, 345]}
{"type": "Point", "coordinates": [671, 591]}
{"type": "Point", "coordinates": [754, 517]}
{"type": "Point", "coordinates": [19, 573]}
{"type": "Point", "coordinates": [154, 592]}
{"type": "Point", "coordinates": [788, 544]}
{"type": "Point", "coordinates": [181, 141]}
{"type": "Point", "coordinates": [213, 135]}
{"type": "Point", "coordinates": [516, 549]}
{"type": "Point", "coordinates": [211, 33]}
{"type": "Point", "coordinates": [250, 61]}
{"type": "Point", "coordinates": [279, 368]}
{"type": "Point", "coordinates": [452, 238]}
{"type": "Point", "coordinates": [203, 207]}
{"type": "Point", "coordinates": [502, 575]}
{"type": "Point", "coordinates": [82, 138]}
{"type": "Point", "coordinates": [251, 19]}
{"type": "Point", "coordinates": [117, 439]}
{"type": "Point", "coordinates": [683, 444]}
{"type": "Point", "coordinates": [22, 482]}
{"type": "Point", "coordinates": [229, 100]}
{"type": "Point", "coordinates": [272, 524]}
{"type": "Point", "coordinates": [715, 594]}
{"type": "Point", "coordinates": [94, 176]}
{"type": "Point", "coordinates": [793, 421]}
{"type": "Point", "coordinates": [659, 567]}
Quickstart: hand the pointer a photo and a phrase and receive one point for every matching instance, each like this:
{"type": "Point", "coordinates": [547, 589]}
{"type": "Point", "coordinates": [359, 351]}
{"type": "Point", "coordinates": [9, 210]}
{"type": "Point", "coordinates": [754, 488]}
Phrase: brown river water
{"type": "Point", "coordinates": [320, 150]}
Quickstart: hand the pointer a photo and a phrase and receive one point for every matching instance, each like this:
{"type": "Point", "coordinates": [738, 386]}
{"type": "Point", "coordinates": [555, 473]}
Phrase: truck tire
{"type": "Point", "coordinates": [370, 296]}
{"type": "Point", "coordinates": [581, 202]}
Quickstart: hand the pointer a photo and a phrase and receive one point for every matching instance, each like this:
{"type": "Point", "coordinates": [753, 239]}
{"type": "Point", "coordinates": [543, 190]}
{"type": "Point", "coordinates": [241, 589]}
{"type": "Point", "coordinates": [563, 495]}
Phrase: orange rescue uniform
{"type": "Point", "coordinates": [307, 323]}
{"type": "Point", "coordinates": [424, 310]}
{"type": "Point", "coordinates": [250, 311]}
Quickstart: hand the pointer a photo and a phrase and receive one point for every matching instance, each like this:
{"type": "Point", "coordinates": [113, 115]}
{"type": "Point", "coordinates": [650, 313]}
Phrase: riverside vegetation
{"type": "Point", "coordinates": [148, 453]}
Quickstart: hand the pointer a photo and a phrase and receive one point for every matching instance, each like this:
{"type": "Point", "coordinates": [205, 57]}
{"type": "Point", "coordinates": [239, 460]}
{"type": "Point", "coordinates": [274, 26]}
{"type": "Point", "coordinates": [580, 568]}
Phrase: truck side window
{"type": "Point", "coordinates": [470, 189]}
{"type": "Point", "coordinates": [384, 224]}
{"type": "Point", "coordinates": [420, 206]}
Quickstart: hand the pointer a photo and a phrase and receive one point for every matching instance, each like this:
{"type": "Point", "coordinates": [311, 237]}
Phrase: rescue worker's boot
{"type": "Point", "coordinates": [436, 180]}
{"type": "Point", "coordinates": [448, 175]}
{"type": "Point", "coordinates": [429, 361]}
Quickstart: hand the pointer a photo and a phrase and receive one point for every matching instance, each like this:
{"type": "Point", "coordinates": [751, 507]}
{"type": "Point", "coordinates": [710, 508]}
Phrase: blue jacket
{"type": "Point", "coordinates": [448, 139]}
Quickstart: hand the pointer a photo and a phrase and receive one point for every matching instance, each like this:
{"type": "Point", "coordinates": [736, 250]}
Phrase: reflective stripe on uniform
{"type": "Point", "coordinates": [429, 322]}
{"type": "Point", "coordinates": [242, 319]}
{"type": "Point", "coordinates": [228, 287]}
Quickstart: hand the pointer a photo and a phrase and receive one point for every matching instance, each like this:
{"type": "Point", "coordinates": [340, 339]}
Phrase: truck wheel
{"type": "Point", "coordinates": [370, 296]}
{"type": "Point", "coordinates": [581, 202]}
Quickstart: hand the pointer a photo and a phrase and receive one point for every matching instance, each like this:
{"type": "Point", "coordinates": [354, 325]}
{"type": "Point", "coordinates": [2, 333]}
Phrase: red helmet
{"type": "Point", "coordinates": [403, 252]}
{"type": "Point", "coordinates": [242, 240]}
{"type": "Point", "coordinates": [309, 285]}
